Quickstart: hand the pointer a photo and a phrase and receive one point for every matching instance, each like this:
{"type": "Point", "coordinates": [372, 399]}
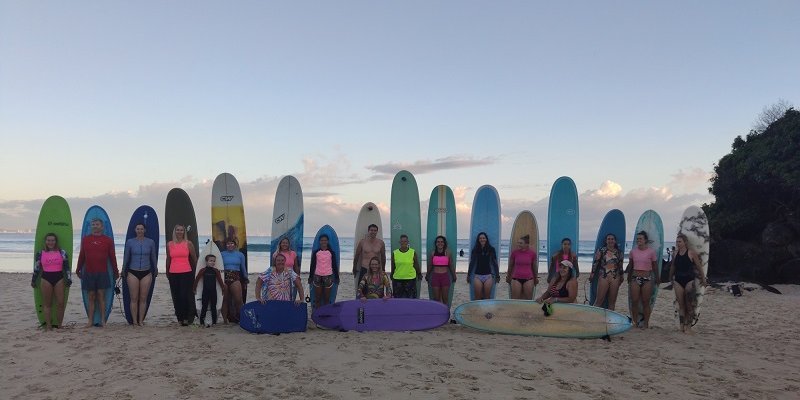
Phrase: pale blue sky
{"type": "Point", "coordinates": [101, 99]}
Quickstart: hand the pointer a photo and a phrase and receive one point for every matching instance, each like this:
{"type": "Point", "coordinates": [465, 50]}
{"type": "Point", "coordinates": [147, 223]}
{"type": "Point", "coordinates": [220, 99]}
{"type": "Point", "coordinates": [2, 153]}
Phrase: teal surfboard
{"type": "Point", "coordinates": [562, 220]}
{"type": "Point", "coordinates": [650, 222]}
{"type": "Point", "coordinates": [485, 218]}
{"type": "Point", "coordinates": [404, 215]}
{"type": "Point", "coordinates": [54, 217]}
{"type": "Point", "coordinates": [614, 223]}
{"type": "Point", "coordinates": [441, 222]}
{"type": "Point", "coordinates": [97, 212]}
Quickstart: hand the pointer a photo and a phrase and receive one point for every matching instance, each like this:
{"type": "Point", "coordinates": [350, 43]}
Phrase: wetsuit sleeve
{"type": "Point", "coordinates": [313, 264]}
{"type": "Point", "coordinates": [126, 254]}
{"type": "Point", "coordinates": [335, 266]}
{"type": "Point", "coordinates": [153, 256]}
{"type": "Point", "coordinates": [243, 265]}
{"type": "Point", "coordinates": [198, 277]}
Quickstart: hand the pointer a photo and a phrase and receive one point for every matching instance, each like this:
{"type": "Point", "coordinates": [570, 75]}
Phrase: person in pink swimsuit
{"type": "Point", "coordinates": [284, 247]}
{"type": "Point", "coordinates": [440, 273]}
{"type": "Point", "coordinates": [565, 254]}
{"type": "Point", "coordinates": [523, 265]}
{"type": "Point", "coordinates": [324, 272]}
{"type": "Point", "coordinates": [52, 264]}
{"type": "Point", "coordinates": [180, 258]}
{"type": "Point", "coordinates": [642, 276]}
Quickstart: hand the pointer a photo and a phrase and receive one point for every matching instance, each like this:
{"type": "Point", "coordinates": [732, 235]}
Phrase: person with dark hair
{"type": "Point", "coordinates": [235, 266]}
{"type": "Point", "coordinates": [483, 271]}
{"type": "Point", "coordinates": [564, 288]}
{"type": "Point", "coordinates": [607, 269]}
{"type": "Point", "coordinates": [139, 268]}
{"type": "Point", "coordinates": [405, 270]}
{"type": "Point", "coordinates": [642, 276]}
{"type": "Point", "coordinates": [324, 272]}
{"type": "Point", "coordinates": [523, 266]}
{"type": "Point", "coordinates": [565, 254]}
{"type": "Point", "coordinates": [440, 272]}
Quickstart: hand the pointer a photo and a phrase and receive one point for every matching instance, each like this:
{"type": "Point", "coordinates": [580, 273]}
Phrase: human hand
{"type": "Point", "coordinates": [261, 300]}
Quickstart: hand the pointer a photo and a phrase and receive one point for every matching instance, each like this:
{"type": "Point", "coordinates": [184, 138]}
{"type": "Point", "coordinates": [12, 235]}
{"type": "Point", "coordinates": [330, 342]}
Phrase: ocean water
{"type": "Point", "coordinates": [16, 252]}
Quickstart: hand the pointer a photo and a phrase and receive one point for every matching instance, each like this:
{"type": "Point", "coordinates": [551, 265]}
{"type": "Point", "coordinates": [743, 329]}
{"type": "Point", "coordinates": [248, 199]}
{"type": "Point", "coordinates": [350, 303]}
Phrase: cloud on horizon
{"type": "Point", "coordinates": [388, 170]}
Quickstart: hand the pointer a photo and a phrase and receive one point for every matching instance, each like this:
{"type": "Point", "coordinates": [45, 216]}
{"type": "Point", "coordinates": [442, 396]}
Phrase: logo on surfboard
{"type": "Point", "coordinates": [227, 198]}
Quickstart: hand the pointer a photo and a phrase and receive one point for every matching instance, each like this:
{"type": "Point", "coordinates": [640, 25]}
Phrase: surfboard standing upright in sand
{"type": "Point", "coordinates": [287, 219]}
{"type": "Point", "coordinates": [56, 218]}
{"type": "Point", "coordinates": [228, 223]}
{"type": "Point", "coordinates": [485, 218]}
{"type": "Point", "coordinates": [525, 224]}
{"type": "Point", "coordinates": [369, 215]}
{"type": "Point", "coordinates": [143, 215]}
{"type": "Point", "coordinates": [180, 211]}
{"type": "Point", "coordinates": [613, 223]}
{"type": "Point", "coordinates": [650, 222]}
{"type": "Point", "coordinates": [441, 222]}
{"type": "Point", "coordinates": [405, 216]}
{"type": "Point", "coordinates": [694, 224]}
{"type": "Point", "coordinates": [562, 220]}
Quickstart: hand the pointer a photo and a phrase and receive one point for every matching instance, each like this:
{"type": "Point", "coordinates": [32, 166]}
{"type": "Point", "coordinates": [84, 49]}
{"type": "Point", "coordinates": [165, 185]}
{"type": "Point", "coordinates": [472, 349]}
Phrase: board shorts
{"type": "Point", "coordinates": [93, 281]}
{"type": "Point", "coordinates": [441, 279]}
{"type": "Point", "coordinates": [232, 276]}
{"type": "Point", "coordinates": [323, 281]}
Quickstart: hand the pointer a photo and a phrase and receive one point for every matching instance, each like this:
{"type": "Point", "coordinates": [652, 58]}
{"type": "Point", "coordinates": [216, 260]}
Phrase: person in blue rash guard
{"type": "Point", "coordinates": [235, 276]}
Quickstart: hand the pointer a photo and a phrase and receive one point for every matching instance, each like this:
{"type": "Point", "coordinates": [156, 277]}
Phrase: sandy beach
{"type": "Point", "coordinates": [743, 347]}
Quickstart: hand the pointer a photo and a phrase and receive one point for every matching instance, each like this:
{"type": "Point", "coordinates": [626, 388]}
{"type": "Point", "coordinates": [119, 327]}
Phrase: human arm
{"type": "Point", "coordinates": [81, 260]}
{"type": "Point", "coordinates": [153, 258]}
{"type": "Point", "coordinates": [335, 265]}
{"type": "Point", "coordinates": [383, 255]}
{"type": "Point", "coordinates": [545, 295]}
{"type": "Point", "coordinates": [451, 266]}
{"type": "Point", "coordinates": [298, 283]}
{"type": "Point", "coordinates": [197, 279]}
{"type": "Point", "coordinates": [511, 264]}
{"type": "Point", "coordinates": [37, 268]}
{"type": "Point", "coordinates": [112, 256]}
{"type": "Point", "coordinates": [629, 269]}
{"type": "Point", "coordinates": [220, 280]}
{"type": "Point", "coordinates": [169, 259]}
{"type": "Point", "coordinates": [417, 266]}
{"type": "Point", "coordinates": [192, 253]}
{"type": "Point", "coordinates": [259, 284]}
{"type": "Point", "coordinates": [313, 267]}
{"type": "Point", "coordinates": [697, 262]}
{"type": "Point", "coordinates": [357, 257]}
{"type": "Point", "coordinates": [387, 287]}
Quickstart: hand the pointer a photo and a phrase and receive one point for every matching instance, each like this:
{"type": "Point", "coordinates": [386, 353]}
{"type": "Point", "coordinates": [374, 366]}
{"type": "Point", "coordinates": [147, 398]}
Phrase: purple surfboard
{"type": "Point", "coordinates": [382, 315]}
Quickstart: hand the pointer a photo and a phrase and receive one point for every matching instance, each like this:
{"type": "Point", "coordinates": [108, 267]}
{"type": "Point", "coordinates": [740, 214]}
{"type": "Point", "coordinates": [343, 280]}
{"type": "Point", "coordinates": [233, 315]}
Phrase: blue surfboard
{"type": "Point", "coordinates": [562, 219]}
{"type": "Point", "coordinates": [333, 244]}
{"type": "Point", "coordinates": [274, 317]}
{"type": "Point", "coordinates": [97, 212]}
{"type": "Point", "coordinates": [147, 216]}
{"type": "Point", "coordinates": [485, 218]}
{"type": "Point", "coordinates": [613, 223]}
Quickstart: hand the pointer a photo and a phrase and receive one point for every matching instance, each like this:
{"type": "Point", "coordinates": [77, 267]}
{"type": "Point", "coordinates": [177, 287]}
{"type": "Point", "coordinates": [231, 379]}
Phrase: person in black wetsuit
{"type": "Point", "coordinates": [684, 269]}
{"type": "Point", "coordinates": [211, 277]}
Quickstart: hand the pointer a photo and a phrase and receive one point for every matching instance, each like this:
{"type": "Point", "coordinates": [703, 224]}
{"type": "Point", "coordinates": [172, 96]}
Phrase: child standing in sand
{"type": "Point", "coordinates": [211, 277]}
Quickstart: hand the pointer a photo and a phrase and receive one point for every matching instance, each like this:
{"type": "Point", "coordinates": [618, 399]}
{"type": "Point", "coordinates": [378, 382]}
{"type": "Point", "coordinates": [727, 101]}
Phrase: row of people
{"type": "Point", "coordinates": [97, 251]}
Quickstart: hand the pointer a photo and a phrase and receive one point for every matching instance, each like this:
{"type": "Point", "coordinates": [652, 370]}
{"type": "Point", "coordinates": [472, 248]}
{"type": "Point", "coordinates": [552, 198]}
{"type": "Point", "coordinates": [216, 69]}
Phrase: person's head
{"type": "Point", "coordinates": [681, 241]}
{"type": "Point", "coordinates": [404, 241]}
{"type": "Point", "coordinates": [323, 241]}
{"type": "Point", "coordinates": [372, 231]}
{"type": "Point", "coordinates": [483, 239]}
{"type": "Point", "coordinates": [283, 245]}
{"type": "Point", "coordinates": [565, 270]}
{"type": "Point", "coordinates": [139, 229]}
{"type": "Point", "coordinates": [178, 232]}
{"type": "Point", "coordinates": [641, 239]}
{"type": "Point", "coordinates": [97, 226]}
{"type": "Point", "coordinates": [566, 245]}
{"type": "Point", "coordinates": [440, 243]}
{"type": "Point", "coordinates": [524, 242]}
{"type": "Point", "coordinates": [611, 240]}
{"type": "Point", "coordinates": [280, 262]}
{"type": "Point", "coordinates": [211, 260]}
{"type": "Point", "coordinates": [374, 265]}
{"type": "Point", "coordinates": [51, 242]}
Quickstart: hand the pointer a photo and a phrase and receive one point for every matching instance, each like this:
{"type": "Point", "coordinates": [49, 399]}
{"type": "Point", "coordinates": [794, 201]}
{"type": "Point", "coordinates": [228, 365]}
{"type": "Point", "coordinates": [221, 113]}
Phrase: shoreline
{"type": "Point", "coordinates": [742, 347]}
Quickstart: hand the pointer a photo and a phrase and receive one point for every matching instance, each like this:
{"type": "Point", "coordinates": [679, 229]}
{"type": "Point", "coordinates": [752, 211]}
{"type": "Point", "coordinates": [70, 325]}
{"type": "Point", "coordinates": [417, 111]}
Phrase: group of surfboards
{"type": "Point", "coordinates": [503, 316]}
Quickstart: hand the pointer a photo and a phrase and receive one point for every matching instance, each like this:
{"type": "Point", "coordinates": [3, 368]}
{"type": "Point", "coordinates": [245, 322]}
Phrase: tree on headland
{"type": "Point", "coordinates": [770, 114]}
{"type": "Point", "coordinates": [757, 198]}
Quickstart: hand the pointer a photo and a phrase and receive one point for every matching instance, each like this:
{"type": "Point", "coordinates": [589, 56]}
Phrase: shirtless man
{"type": "Point", "coordinates": [370, 246]}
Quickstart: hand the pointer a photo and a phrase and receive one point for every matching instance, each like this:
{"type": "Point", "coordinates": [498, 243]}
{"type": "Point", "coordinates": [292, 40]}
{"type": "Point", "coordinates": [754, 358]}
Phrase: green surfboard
{"type": "Point", "coordinates": [56, 218]}
{"type": "Point", "coordinates": [441, 222]}
{"type": "Point", "coordinates": [405, 216]}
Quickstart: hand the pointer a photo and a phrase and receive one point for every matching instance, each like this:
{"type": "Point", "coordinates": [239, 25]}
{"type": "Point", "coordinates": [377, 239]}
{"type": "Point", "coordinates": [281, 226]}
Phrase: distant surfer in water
{"type": "Point", "coordinates": [405, 270]}
{"type": "Point", "coordinates": [484, 271]}
{"type": "Point", "coordinates": [642, 276]}
{"type": "Point", "coordinates": [367, 248]}
{"type": "Point", "coordinates": [97, 251]}
{"type": "Point", "coordinates": [440, 272]}
{"type": "Point", "coordinates": [522, 269]}
{"type": "Point", "coordinates": [139, 269]}
{"type": "Point", "coordinates": [684, 269]}
{"type": "Point", "coordinates": [324, 272]}
{"type": "Point", "coordinates": [375, 284]}
{"type": "Point", "coordinates": [565, 254]}
{"type": "Point", "coordinates": [52, 264]}
{"type": "Point", "coordinates": [607, 269]}
{"type": "Point", "coordinates": [180, 258]}
{"type": "Point", "coordinates": [235, 266]}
